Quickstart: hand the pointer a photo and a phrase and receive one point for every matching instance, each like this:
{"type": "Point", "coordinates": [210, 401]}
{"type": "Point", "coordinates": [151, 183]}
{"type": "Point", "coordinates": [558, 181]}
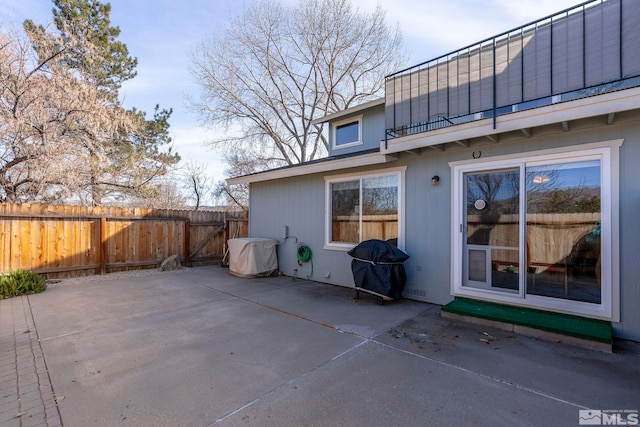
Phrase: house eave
{"type": "Point", "coordinates": [319, 167]}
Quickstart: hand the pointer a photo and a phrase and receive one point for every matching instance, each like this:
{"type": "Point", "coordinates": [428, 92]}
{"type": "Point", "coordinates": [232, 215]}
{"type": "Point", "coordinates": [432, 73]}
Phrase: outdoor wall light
{"type": "Point", "coordinates": [541, 179]}
{"type": "Point", "coordinates": [435, 179]}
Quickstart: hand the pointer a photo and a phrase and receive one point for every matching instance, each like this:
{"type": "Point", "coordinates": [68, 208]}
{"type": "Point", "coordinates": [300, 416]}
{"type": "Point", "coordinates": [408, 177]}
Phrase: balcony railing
{"type": "Point", "coordinates": [582, 51]}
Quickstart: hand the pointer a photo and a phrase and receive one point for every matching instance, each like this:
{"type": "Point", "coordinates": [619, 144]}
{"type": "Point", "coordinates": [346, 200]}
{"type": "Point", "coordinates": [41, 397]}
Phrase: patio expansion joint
{"type": "Point", "coordinates": [232, 295]}
{"type": "Point", "coordinates": [363, 340]}
{"type": "Point", "coordinates": [278, 309]}
{"type": "Point", "coordinates": [480, 374]}
{"type": "Point", "coordinates": [291, 381]}
{"type": "Point", "coordinates": [47, 391]}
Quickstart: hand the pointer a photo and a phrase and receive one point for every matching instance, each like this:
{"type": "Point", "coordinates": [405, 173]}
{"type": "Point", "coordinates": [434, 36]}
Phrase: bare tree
{"type": "Point", "coordinates": [163, 193]}
{"type": "Point", "coordinates": [197, 183]}
{"type": "Point", "coordinates": [233, 197]}
{"type": "Point", "coordinates": [275, 68]}
{"type": "Point", "coordinates": [240, 163]}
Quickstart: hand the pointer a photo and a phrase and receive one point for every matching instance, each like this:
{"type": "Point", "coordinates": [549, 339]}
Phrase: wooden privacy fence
{"type": "Point", "coordinates": [344, 228]}
{"type": "Point", "coordinates": [65, 241]}
{"type": "Point", "coordinates": [550, 237]}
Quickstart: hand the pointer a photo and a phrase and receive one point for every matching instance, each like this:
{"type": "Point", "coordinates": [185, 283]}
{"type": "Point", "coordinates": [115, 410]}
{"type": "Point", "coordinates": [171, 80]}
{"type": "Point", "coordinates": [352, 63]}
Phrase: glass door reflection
{"type": "Point", "coordinates": [491, 258]}
{"type": "Point", "coordinates": [563, 219]}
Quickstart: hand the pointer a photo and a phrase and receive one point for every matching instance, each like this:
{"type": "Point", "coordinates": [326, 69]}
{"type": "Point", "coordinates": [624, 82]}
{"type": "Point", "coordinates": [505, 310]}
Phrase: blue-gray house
{"type": "Point", "coordinates": [507, 170]}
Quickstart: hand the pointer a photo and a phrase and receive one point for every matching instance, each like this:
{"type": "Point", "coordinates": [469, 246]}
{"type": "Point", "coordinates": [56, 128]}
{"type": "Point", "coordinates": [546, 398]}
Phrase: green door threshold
{"type": "Point", "coordinates": [582, 331]}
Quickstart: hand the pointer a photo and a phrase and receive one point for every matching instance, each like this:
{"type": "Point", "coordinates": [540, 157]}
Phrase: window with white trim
{"type": "Point", "coordinates": [364, 206]}
{"type": "Point", "coordinates": [347, 133]}
{"type": "Point", "coordinates": [539, 231]}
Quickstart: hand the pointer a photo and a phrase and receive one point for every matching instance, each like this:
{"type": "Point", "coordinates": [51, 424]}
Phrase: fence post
{"type": "Point", "coordinates": [103, 245]}
{"type": "Point", "coordinates": [186, 247]}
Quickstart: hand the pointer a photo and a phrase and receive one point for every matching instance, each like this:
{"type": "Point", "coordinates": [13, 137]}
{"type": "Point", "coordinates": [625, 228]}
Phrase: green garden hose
{"type": "Point", "coordinates": [304, 255]}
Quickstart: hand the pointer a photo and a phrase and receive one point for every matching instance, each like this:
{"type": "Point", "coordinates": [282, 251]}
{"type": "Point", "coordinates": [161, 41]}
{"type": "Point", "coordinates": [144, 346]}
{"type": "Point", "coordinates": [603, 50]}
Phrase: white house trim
{"type": "Point", "coordinates": [311, 168]}
{"type": "Point", "coordinates": [348, 111]}
{"type": "Point", "coordinates": [334, 132]}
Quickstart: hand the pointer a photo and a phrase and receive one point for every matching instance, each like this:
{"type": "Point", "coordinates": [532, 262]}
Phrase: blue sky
{"type": "Point", "coordinates": [163, 34]}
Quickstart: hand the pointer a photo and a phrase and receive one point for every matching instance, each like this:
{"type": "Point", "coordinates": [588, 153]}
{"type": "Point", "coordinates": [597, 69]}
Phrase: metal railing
{"type": "Point", "coordinates": [585, 50]}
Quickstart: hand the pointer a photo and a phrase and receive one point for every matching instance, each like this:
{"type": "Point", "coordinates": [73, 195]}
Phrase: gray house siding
{"type": "Point", "coordinates": [629, 233]}
{"type": "Point", "coordinates": [299, 204]}
{"type": "Point", "coordinates": [428, 219]}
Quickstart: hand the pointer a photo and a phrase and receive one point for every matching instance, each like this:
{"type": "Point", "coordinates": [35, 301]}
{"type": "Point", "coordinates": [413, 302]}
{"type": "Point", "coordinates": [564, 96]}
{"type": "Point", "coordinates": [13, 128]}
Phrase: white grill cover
{"type": "Point", "coordinates": [252, 257]}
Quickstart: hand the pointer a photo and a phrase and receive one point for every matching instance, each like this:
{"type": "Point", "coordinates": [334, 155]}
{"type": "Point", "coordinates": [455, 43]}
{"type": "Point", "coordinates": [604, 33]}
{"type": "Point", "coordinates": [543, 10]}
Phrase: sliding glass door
{"type": "Point", "coordinates": [537, 231]}
{"type": "Point", "coordinates": [492, 224]}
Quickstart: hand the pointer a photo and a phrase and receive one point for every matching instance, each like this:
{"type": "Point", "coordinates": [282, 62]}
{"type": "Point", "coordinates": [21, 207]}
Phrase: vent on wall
{"type": "Point", "coordinates": [415, 293]}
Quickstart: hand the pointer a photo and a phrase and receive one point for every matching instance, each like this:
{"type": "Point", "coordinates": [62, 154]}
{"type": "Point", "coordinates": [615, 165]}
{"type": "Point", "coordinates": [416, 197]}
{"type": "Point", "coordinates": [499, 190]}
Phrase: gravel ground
{"type": "Point", "coordinates": [84, 280]}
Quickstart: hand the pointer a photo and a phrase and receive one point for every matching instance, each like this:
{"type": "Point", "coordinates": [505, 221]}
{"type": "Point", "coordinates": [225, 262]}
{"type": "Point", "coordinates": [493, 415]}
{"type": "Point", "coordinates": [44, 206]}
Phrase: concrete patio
{"type": "Point", "coordinates": [199, 347]}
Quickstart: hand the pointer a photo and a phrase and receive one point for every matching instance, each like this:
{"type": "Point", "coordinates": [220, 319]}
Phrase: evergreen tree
{"type": "Point", "coordinates": [65, 135]}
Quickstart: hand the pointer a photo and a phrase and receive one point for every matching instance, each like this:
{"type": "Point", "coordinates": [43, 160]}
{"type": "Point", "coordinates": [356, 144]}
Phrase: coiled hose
{"type": "Point", "coordinates": [303, 254]}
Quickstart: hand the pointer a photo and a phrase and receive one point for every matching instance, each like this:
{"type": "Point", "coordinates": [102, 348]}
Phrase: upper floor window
{"type": "Point", "coordinates": [347, 132]}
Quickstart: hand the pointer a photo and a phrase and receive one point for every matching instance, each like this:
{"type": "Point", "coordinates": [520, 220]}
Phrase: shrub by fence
{"type": "Point", "coordinates": [63, 241]}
